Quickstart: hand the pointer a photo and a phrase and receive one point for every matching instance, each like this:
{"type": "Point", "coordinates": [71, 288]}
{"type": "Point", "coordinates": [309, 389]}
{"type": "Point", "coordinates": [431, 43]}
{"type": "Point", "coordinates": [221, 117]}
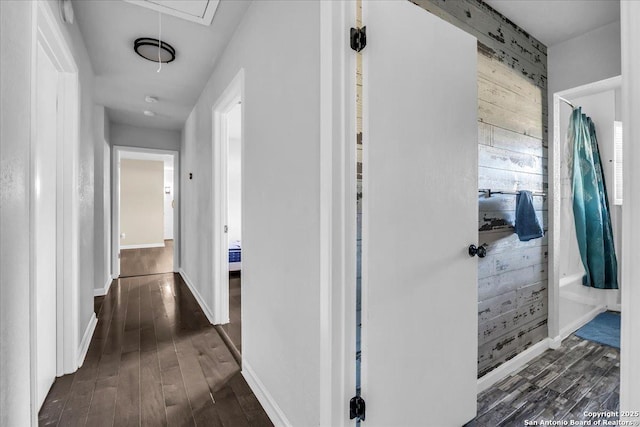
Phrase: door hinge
{"type": "Point", "coordinates": [357, 408]}
{"type": "Point", "coordinates": [358, 38]}
{"type": "Point", "coordinates": [226, 228]}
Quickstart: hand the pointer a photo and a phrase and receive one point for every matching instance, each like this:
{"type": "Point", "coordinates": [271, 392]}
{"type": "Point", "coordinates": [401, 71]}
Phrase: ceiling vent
{"type": "Point", "coordinates": [200, 11]}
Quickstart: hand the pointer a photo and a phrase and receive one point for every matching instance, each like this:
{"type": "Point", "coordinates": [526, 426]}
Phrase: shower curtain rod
{"type": "Point", "coordinates": [566, 101]}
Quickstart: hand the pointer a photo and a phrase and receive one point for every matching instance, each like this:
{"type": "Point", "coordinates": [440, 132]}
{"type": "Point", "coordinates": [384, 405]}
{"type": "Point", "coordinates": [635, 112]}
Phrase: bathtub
{"type": "Point", "coordinates": [579, 304]}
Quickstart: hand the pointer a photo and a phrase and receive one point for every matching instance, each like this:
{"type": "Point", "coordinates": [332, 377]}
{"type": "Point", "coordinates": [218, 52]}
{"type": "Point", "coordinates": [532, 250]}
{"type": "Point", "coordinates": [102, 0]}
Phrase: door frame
{"type": "Point", "coordinates": [555, 194]}
{"type": "Point", "coordinates": [338, 203]}
{"type": "Point", "coordinates": [232, 96]}
{"type": "Point", "coordinates": [48, 34]}
{"type": "Point", "coordinates": [630, 344]}
{"type": "Point", "coordinates": [115, 203]}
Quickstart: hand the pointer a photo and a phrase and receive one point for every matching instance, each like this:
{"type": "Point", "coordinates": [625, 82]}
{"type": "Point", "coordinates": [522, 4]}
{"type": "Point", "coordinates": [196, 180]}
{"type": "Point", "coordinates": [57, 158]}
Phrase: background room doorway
{"type": "Point", "coordinates": [234, 223]}
{"type": "Point", "coordinates": [144, 211]}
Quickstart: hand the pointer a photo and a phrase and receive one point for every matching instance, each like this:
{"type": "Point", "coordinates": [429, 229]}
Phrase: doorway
{"type": "Point", "coordinates": [572, 305]}
{"type": "Point", "coordinates": [234, 222]}
{"type": "Point", "coordinates": [54, 210]}
{"type": "Point", "coordinates": [228, 182]}
{"type": "Point", "coordinates": [145, 211]}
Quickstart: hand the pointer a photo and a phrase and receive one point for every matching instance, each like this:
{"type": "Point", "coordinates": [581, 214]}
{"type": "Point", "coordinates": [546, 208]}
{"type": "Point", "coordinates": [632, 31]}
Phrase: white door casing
{"type": "Point", "coordinates": [46, 221]}
{"type": "Point", "coordinates": [231, 96]}
{"type": "Point", "coordinates": [419, 354]}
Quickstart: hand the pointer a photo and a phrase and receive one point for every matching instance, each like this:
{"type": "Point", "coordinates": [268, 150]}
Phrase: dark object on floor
{"type": "Point", "coordinates": [527, 225]}
{"type": "Point", "coordinates": [604, 329]}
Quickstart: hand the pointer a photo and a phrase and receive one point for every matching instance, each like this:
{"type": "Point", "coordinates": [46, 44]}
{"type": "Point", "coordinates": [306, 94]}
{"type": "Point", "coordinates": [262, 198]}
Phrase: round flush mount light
{"type": "Point", "coordinates": [66, 11]}
{"type": "Point", "coordinates": [148, 113]}
{"type": "Point", "coordinates": [154, 50]}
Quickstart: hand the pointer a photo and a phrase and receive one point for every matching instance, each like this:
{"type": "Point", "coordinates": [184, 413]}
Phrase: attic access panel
{"type": "Point", "coordinates": [199, 11]}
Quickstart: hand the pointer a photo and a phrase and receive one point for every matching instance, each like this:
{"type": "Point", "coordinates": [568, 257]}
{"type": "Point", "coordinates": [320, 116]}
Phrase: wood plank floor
{"type": "Point", "coordinates": [581, 376]}
{"type": "Point", "coordinates": [233, 329]}
{"type": "Point", "coordinates": [154, 360]}
{"type": "Point", "coordinates": [139, 262]}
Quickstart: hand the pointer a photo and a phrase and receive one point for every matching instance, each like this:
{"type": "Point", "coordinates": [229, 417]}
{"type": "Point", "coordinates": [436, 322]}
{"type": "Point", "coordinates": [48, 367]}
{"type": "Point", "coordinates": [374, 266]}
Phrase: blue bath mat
{"type": "Point", "coordinates": [604, 329]}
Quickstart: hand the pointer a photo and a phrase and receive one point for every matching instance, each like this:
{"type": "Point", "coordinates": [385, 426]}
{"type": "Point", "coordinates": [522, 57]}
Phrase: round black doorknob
{"type": "Point", "coordinates": [473, 250]}
{"type": "Point", "coordinates": [480, 251]}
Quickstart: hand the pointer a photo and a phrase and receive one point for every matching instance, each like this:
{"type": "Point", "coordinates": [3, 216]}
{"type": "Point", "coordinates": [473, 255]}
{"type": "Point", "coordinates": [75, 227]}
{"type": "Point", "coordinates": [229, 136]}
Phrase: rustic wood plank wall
{"type": "Point", "coordinates": [512, 154]}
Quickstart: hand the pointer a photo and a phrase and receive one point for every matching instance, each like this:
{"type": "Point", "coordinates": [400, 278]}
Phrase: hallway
{"type": "Point", "coordinates": [154, 360]}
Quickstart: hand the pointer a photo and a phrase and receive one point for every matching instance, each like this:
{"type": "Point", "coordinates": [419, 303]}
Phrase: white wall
{"type": "Point", "coordinates": [133, 136]}
{"type": "Point", "coordinates": [584, 59]}
{"type": "Point", "coordinates": [15, 110]}
{"type": "Point", "coordinates": [141, 203]}
{"type": "Point", "coordinates": [16, 44]}
{"type": "Point", "coordinates": [277, 44]}
{"type": "Point", "coordinates": [234, 168]}
{"type": "Point", "coordinates": [588, 58]}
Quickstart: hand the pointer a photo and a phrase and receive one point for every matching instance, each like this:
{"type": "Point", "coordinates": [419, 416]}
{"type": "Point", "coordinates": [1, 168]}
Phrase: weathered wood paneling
{"type": "Point", "coordinates": [494, 353]}
{"type": "Point", "coordinates": [511, 280]}
{"type": "Point", "coordinates": [498, 179]}
{"type": "Point", "coordinates": [512, 155]}
{"type": "Point", "coordinates": [500, 37]}
{"type": "Point", "coordinates": [511, 320]}
{"type": "Point", "coordinates": [492, 136]}
{"type": "Point", "coordinates": [500, 262]}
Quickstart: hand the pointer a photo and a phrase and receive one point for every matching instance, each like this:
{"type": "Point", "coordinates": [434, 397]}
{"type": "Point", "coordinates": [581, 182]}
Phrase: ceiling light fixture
{"type": "Point", "coordinates": [148, 113]}
{"type": "Point", "coordinates": [154, 50]}
{"type": "Point", "coordinates": [66, 11]}
{"type": "Point", "coordinates": [150, 99]}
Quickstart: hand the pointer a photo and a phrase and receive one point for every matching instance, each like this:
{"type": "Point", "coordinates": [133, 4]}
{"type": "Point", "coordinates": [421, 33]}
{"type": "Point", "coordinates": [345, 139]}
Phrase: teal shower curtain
{"type": "Point", "coordinates": [591, 205]}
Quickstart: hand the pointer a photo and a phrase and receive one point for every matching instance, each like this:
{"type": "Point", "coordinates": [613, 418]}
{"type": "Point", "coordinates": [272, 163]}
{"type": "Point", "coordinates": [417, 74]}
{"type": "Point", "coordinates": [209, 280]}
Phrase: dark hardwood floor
{"type": "Point", "coordinates": [581, 376]}
{"type": "Point", "coordinates": [139, 262]}
{"type": "Point", "coordinates": [233, 329]}
{"type": "Point", "coordinates": [154, 360]}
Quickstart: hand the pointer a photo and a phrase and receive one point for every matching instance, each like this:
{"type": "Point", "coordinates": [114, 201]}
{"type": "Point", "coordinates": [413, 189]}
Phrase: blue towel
{"type": "Point", "coordinates": [527, 225]}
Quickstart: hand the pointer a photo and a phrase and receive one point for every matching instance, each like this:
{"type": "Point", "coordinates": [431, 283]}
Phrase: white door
{"type": "Point", "coordinates": [45, 221]}
{"type": "Point", "coordinates": [420, 216]}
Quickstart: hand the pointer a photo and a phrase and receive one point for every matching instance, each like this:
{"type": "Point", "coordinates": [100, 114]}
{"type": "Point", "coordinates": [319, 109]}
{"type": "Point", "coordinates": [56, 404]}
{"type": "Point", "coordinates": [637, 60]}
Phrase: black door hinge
{"type": "Point", "coordinates": [358, 38]}
{"type": "Point", "coordinates": [357, 408]}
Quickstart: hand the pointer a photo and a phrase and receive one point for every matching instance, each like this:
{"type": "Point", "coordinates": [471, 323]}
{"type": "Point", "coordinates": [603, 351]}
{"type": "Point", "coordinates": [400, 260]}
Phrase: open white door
{"type": "Point", "coordinates": [420, 216]}
{"type": "Point", "coordinates": [46, 206]}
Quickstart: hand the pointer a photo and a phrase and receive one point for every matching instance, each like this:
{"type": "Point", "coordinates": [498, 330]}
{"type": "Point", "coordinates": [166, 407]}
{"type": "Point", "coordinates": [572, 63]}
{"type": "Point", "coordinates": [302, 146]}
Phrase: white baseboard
{"type": "Point", "coordinates": [143, 246]}
{"type": "Point", "coordinates": [99, 292]}
{"type": "Point", "coordinates": [615, 307]}
{"type": "Point", "coordinates": [86, 339]}
{"type": "Point", "coordinates": [512, 366]}
{"type": "Point", "coordinates": [198, 297]}
{"type": "Point", "coordinates": [278, 418]}
{"type": "Point", "coordinates": [580, 322]}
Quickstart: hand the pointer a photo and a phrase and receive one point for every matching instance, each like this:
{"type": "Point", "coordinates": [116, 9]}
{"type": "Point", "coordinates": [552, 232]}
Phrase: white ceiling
{"type": "Point", "coordinates": [123, 79]}
{"type": "Point", "coordinates": [555, 21]}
